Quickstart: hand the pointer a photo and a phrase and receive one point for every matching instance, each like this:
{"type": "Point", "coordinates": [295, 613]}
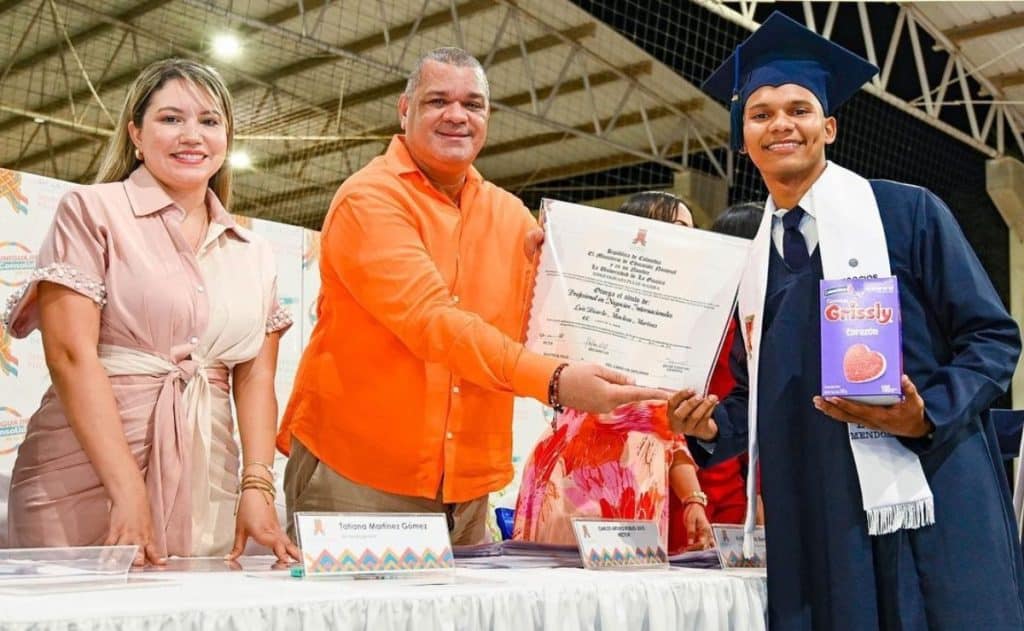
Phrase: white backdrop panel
{"type": "Point", "coordinates": [27, 206]}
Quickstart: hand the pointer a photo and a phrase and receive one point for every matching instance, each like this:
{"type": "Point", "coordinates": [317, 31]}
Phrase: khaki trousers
{"type": "Point", "coordinates": [310, 485]}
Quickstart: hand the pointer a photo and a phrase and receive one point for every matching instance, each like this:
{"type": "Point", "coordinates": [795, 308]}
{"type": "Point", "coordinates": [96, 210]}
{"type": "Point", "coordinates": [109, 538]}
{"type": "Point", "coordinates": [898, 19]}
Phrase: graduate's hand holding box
{"type": "Point", "coordinates": [862, 378]}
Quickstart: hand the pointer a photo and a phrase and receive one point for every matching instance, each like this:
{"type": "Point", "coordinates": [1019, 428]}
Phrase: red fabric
{"type": "Point", "coordinates": [725, 485]}
{"type": "Point", "coordinates": [721, 378]}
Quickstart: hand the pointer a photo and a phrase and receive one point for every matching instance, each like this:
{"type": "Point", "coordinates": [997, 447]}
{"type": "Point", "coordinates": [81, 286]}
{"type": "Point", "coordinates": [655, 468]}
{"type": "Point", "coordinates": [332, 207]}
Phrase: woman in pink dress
{"type": "Point", "coordinates": [151, 300]}
{"type": "Point", "coordinates": [622, 465]}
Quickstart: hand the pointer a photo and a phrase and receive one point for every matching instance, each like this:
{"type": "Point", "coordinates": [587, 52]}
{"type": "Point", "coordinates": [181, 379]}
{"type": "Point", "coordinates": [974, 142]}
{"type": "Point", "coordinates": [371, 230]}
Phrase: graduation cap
{"type": "Point", "coordinates": [783, 51]}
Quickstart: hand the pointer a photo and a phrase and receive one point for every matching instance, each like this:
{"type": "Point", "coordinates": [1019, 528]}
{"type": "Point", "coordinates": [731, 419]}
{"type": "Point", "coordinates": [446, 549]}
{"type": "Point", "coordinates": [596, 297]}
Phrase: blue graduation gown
{"type": "Point", "coordinates": [960, 348]}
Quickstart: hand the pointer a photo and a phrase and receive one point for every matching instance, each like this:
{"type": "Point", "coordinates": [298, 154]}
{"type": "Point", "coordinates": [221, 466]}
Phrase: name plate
{"type": "Point", "coordinates": [607, 544]}
{"type": "Point", "coordinates": [729, 543]}
{"type": "Point", "coordinates": [374, 544]}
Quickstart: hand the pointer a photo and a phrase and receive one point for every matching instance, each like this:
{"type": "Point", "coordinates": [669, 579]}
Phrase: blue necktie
{"type": "Point", "coordinates": [794, 248]}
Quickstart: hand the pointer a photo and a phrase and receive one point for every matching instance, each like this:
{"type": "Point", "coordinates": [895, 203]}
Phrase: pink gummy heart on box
{"type": "Point", "coordinates": [861, 364]}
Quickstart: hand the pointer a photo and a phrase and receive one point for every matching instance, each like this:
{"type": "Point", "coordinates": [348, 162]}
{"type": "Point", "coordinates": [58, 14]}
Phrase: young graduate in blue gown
{"type": "Point", "coordinates": [960, 347]}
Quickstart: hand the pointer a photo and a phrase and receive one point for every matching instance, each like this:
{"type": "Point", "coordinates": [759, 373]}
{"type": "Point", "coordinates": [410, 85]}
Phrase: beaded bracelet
{"type": "Point", "coordinates": [553, 389]}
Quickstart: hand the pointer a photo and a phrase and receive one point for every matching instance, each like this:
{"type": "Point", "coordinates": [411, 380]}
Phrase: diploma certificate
{"type": "Point", "coordinates": [644, 297]}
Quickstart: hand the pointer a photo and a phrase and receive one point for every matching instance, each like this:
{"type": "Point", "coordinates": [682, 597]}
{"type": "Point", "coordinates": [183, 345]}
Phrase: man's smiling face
{"type": "Point", "coordinates": [445, 119]}
{"type": "Point", "coordinates": [785, 131]}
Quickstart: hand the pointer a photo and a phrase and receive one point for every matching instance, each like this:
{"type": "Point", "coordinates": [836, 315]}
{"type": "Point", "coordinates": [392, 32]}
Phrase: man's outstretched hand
{"type": "Point", "coordinates": [690, 414]}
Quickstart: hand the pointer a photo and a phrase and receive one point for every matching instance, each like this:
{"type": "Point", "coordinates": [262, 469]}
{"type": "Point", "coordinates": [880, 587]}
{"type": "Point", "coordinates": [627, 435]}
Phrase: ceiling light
{"type": "Point", "coordinates": [226, 46]}
{"type": "Point", "coordinates": [240, 159]}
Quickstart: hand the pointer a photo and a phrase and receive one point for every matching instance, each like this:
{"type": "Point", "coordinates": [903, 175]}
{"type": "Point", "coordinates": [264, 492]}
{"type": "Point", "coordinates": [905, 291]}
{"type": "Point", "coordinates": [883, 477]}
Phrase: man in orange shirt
{"type": "Point", "coordinates": [403, 398]}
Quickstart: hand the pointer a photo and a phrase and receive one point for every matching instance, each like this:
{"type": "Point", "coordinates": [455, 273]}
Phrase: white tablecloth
{"type": "Point", "coordinates": [502, 599]}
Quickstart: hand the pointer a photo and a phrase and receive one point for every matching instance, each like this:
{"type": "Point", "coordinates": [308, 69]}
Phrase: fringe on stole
{"type": "Point", "coordinates": [888, 519]}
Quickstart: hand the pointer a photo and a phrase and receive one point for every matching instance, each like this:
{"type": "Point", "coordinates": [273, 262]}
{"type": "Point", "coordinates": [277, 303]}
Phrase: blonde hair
{"type": "Point", "coordinates": [119, 157]}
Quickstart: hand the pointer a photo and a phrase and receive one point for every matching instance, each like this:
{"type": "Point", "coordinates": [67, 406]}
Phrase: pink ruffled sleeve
{"type": "Point", "coordinates": [73, 254]}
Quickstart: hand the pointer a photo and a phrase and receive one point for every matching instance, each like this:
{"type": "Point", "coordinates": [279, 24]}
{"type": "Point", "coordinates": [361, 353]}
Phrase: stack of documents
{"type": "Point", "coordinates": [517, 554]}
{"type": "Point", "coordinates": [698, 558]}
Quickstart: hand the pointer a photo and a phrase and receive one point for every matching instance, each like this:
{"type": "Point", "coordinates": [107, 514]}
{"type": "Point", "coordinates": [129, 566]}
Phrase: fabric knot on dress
{"type": "Point", "coordinates": [177, 410]}
{"type": "Point", "coordinates": [186, 370]}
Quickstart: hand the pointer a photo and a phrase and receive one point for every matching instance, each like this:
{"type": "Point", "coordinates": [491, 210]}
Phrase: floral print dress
{"type": "Point", "coordinates": [612, 466]}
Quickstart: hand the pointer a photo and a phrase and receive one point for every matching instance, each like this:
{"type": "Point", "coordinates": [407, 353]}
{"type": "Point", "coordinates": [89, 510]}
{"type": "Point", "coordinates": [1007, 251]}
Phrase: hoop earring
{"type": "Point", "coordinates": [138, 155]}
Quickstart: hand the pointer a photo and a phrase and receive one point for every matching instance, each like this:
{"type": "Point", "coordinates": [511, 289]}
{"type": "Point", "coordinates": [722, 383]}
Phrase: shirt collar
{"type": "Point", "coordinates": [806, 202]}
{"type": "Point", "coordinates": [146, 197]}
{"type": "Point", "coordinates": [400, 161]}
{"type": "Point", "coordinates": [145, 194]}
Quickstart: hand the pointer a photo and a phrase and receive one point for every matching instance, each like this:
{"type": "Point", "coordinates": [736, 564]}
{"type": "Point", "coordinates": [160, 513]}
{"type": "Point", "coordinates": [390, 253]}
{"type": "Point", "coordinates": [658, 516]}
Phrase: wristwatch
{"type": "Point", "coordinates": [697, 497]}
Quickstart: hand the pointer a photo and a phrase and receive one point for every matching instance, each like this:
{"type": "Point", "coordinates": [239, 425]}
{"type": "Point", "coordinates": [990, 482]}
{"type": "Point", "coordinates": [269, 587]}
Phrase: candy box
{"type": "Point", "coordinates": [861, 346]}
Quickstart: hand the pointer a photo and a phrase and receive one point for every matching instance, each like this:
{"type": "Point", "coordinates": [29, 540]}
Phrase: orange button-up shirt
{"type": "Point", "coordinates": [409, 375]}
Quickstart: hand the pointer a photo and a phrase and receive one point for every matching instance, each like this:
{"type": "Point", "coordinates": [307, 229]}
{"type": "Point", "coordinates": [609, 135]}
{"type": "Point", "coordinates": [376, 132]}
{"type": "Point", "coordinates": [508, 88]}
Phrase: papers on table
{"type": "Point", "coordinates": [522, 554]}
{"type": "Point", "coordinates": [516, 554]}
{"type": "Point", "coordinates": [698, 559]}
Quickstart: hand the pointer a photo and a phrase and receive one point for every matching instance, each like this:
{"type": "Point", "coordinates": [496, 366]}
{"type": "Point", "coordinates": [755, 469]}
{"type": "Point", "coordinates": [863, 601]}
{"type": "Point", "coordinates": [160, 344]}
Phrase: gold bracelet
{"type": "Point", "coordinates": [256, 482]}
{"type": "Point", "coordinates": [697, 497]}
{"type": "Point", "coordinates": [256, 463]}
{"type": "Point", "coordinates": [253, 476]}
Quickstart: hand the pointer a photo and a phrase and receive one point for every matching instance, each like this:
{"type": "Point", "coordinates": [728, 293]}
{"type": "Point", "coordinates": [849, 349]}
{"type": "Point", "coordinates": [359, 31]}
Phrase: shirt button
{"type": "Point", "coordinates": [193, 340]}
{"type": "Point", "coordinates": [455, 389]}
{"type": "Point", "coordinates": [449, 435]}
{"type": "Point", "coordinates": [200, 289]}
{"type": "Point", "coordinates": [455, 299]}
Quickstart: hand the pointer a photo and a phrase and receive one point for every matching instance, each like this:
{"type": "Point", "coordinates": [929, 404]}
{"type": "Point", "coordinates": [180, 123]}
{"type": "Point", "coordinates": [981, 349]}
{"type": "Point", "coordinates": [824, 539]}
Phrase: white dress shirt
{"type": "Point", "coordinates": [808, 225]}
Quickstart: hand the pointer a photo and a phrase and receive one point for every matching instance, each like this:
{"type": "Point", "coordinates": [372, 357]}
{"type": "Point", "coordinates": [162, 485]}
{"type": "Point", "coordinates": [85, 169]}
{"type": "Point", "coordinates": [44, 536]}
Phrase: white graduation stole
{"type": "Point", "coordinates": [892, 483]}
